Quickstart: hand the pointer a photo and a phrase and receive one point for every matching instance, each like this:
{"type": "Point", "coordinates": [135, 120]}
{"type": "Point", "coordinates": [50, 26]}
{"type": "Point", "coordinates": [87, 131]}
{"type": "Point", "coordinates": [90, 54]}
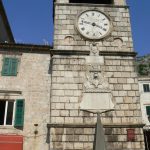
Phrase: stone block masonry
{"type": "Point", "coordinates": [66, 36]}
{"type": "Point", "coordinates": [68, 77]}
{"type": "Point", "coordinates": [82, 138]}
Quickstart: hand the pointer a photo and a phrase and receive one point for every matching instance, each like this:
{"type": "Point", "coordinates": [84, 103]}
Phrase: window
{"type": "Point", "coordinates": [146, 88]}
{"type": "Point", "coordinates": [148, 112]}
{"type": "Point", "coordinates": [12, 112]}
{"type": "Point", "coordinates": [9, 66]}
{"type": "Point", "coordinates": [7, 112]}
{"type": "Point", "coordinates": [92, 1]}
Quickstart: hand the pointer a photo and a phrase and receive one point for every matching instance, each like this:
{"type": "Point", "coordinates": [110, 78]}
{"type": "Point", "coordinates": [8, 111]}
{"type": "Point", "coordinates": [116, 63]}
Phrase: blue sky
{"type": "Point", "coordinates": [31, 22]}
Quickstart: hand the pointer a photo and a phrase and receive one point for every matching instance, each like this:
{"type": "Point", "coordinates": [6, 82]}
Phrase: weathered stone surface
{"type": "Point", "coordinates": [33, 80]}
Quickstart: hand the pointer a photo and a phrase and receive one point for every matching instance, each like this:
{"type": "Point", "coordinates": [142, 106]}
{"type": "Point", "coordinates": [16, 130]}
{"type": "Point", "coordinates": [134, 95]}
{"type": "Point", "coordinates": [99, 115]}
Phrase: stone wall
{"type": "Point", "coordinates": [66, 36]}
{"type": "Point", "coordinates": [33, 81]}
{"type": "Point", "coordinates": [83, 139]}
{"type": "Point", "coordinates": [68, 78]}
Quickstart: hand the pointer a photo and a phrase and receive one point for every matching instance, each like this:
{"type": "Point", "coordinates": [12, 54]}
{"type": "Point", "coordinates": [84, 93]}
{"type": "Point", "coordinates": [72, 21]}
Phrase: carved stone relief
{"type": "Point", "coordinates": [95, 79]}
{"type": "Point", "coordinates": [115, 42]}
{"type": "Point", "coordinates": [69, 40]}
{"type": "Point", "coordinates": [97, 95]}
{"type": "Point", "coordinates": [94, 49]}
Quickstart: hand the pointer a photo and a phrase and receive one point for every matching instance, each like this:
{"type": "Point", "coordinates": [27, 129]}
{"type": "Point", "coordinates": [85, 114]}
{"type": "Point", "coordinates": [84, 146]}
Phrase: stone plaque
{"type": "Point", "coordinates": [95, 59]}
{"type": "Point", "coordinates": [97, 102]}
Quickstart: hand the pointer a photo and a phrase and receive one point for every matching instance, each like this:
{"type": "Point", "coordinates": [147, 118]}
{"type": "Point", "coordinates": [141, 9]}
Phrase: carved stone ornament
{"type": "Point", "coordinates": [118, 42]}
{"type": "Point", "coordinates": [94, 49]}
{"type": "Point", "coordinates": [97, 95]}
{"type": "Point", "coordinates": [114, 41]}
{"type": "Point", "coordinates": [68, 40]}
{"type": "Point", "coordinates": [96, 80]}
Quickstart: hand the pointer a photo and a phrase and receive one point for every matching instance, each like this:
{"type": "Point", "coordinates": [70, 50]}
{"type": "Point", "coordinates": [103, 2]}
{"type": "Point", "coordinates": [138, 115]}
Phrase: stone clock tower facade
{"type": "Point", "coordinates": [93, 72]}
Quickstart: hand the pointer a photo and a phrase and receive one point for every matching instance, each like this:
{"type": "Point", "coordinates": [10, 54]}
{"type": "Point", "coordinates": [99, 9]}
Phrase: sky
{"type": "Point", "coordinates": [31, 22]}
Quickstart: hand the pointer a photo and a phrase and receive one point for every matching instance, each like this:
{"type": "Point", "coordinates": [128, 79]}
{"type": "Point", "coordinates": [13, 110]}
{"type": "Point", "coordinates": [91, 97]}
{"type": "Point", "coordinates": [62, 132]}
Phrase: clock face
{"type": "Point", "coordinates": [93, 24]}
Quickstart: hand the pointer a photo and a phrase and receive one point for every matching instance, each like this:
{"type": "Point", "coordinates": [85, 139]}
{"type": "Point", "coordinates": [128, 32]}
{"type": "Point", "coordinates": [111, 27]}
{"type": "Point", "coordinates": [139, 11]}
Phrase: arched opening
{"type": "Point", "coordinates": [92, 1]}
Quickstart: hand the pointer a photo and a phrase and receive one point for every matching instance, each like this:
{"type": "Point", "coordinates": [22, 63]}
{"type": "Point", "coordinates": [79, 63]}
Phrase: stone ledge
{"type": "Point", "coordinates": [101, 53]}
{"type": "Point", "coordinates": [11, 91]}
{"type": "Point", "coordinates": [91, 5]}
{"type": "Point", "coordinates": [53, 125]}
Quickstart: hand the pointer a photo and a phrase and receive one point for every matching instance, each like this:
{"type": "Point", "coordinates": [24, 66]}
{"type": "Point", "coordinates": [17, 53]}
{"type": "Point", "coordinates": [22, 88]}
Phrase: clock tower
{"type": "Point", "coordinates": [93, 73]}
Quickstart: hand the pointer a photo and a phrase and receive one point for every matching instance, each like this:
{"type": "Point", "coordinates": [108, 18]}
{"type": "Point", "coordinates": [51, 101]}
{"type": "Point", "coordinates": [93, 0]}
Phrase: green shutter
{"type": "Point", "coordinates": [14, 65]}
{"type": "Point", "coordinates": [9, 66]}
{"type": "Point", "coordinates": [19, 115]}
{"type": "Point", "coordinates": [6, 67]}
{"type": "Point", "coordinates": [148, 110]}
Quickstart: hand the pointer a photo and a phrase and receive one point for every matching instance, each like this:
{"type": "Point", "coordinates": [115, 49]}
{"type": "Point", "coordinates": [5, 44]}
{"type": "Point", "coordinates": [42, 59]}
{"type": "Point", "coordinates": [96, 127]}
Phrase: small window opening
{"type": "Point", "coordinates": [92, 1]}
{"type": "Point", "coordinates": [146, 88]}
{"type": "Point", "coordinates": [6, 112]}
{"type": "Point", "coordinates": [148, 112]}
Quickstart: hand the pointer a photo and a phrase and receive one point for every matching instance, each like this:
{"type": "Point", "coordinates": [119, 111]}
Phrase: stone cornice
{"type": "Point", "coordinates": [30, 48]}
{"type": "Point", "coordinates": [101, 53]}
{"type": "Point", "coordinates": [12, 48]}
{"type": "Point", "coordinates": [10, 92]}
{"type": "Point", "coordinates": [54, 125]}
{"type": "Point", "coordinates": [91, 5]}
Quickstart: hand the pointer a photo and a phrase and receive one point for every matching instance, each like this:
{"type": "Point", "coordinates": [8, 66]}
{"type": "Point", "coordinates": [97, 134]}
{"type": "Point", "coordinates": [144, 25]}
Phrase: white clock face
{"type": "Point", "coordinates": [93, 24]}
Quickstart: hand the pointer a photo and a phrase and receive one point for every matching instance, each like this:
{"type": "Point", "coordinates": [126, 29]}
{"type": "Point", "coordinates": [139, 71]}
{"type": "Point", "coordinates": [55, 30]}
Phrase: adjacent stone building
{"type": "Point", "coordinates": [24, 95]}
{"type": "Point", "coordinates": [143, 69]}
{"type": "Point", "coordinates": [50, 96]}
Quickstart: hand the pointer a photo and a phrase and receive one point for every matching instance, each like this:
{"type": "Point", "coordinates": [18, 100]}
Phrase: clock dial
{"type": "Point", "coordinates": [93, 24]}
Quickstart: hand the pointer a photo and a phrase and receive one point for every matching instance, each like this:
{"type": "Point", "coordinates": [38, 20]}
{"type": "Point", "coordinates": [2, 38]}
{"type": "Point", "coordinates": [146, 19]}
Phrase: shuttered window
{"type": "Point", "coordinates": [9, 66]}
{"type": "Point", "coordinates": [19, 115]}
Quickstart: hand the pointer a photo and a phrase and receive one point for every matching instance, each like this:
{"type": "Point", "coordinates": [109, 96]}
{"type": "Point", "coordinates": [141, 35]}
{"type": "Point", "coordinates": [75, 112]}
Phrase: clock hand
{"type": "Point", "coordinates": [99, 26]}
